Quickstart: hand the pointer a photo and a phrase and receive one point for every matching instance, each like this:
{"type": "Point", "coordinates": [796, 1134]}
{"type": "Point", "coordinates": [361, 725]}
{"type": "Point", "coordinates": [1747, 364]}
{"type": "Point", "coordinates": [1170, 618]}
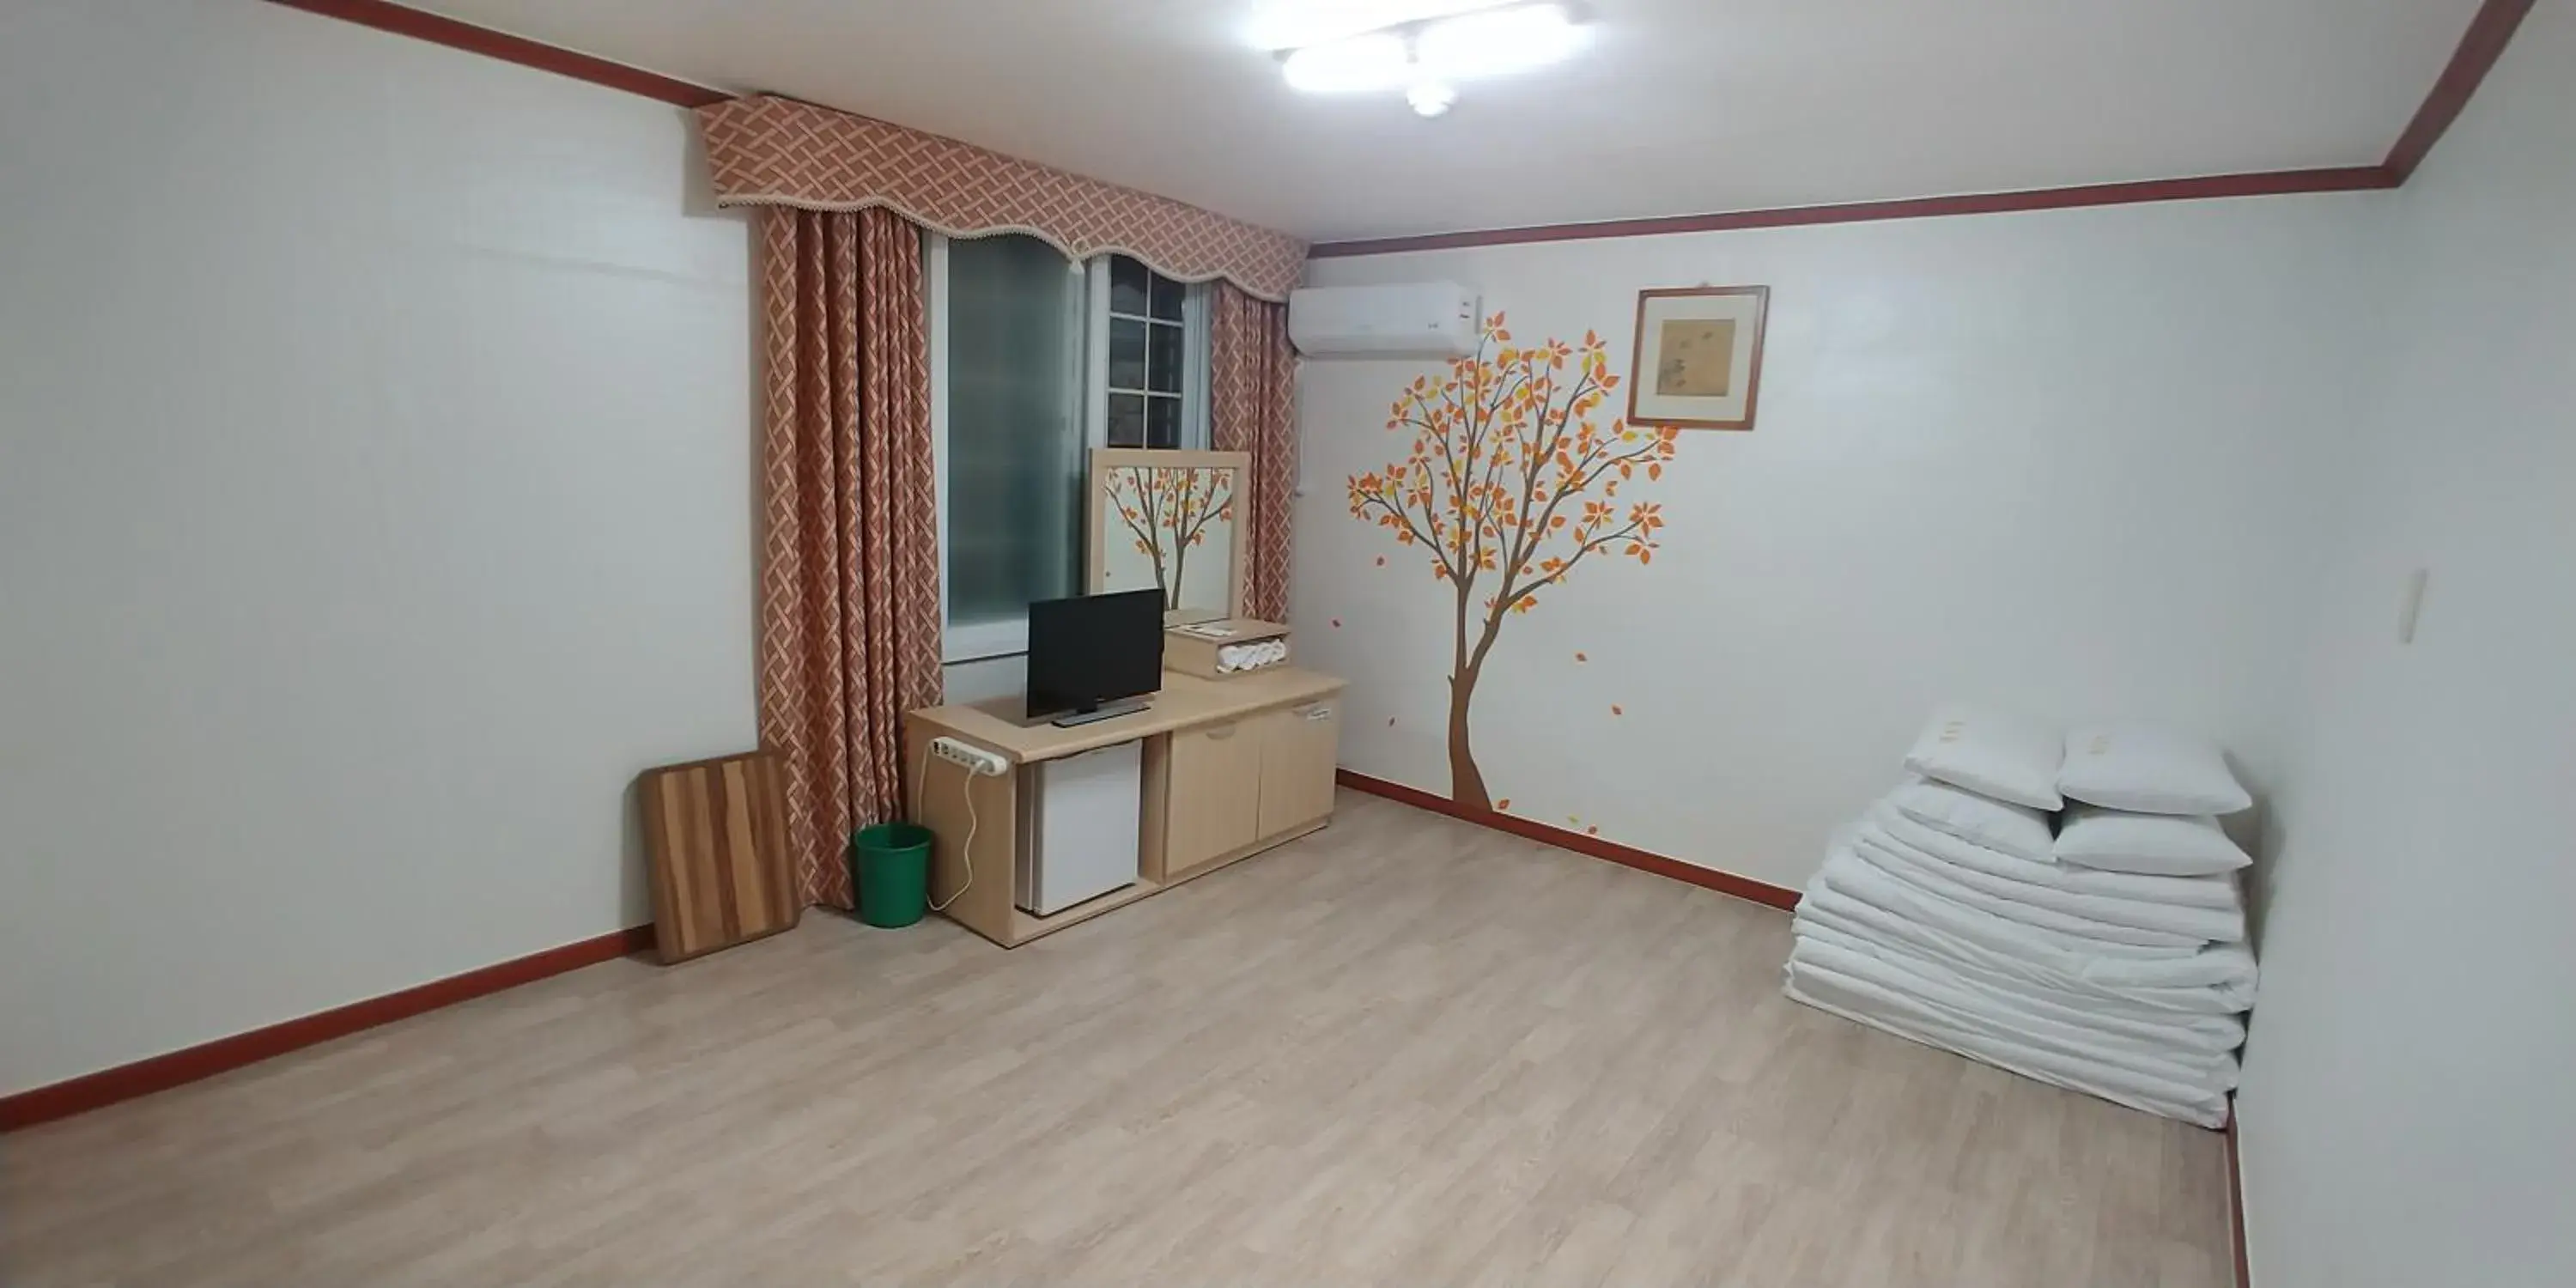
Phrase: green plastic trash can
{"type": "Point", "coordinates": [890, 870]}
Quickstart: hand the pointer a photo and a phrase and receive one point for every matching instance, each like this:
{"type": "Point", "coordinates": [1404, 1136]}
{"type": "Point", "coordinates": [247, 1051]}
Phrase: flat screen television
{"type": "Point", "coordinates": [1092, 657]}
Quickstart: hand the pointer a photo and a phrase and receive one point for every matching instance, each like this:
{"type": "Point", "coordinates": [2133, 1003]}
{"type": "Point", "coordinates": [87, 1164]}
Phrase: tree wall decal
{"type": "Point", "coordinates": [1166, 511]}
{"type": "Point", "coordinates": [1510, 484]}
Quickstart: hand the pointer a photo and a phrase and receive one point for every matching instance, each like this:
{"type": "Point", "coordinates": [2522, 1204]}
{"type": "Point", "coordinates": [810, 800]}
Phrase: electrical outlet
{"type": "Point", "coordinates": [974, 758]}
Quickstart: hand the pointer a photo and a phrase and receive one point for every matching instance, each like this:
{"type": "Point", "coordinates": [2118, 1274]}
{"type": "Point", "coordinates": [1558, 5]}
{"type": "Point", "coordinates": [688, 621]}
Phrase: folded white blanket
{"type": "Point", "coordinates": [1954, 860]}
{"type": "Point", "coordinates": [2212, 1069]}
{"type": "Point", "coordinates": [2178, 1034]}
{"type": "Point", "coordinates": [2218, 893]}
{"type": "Point", "coordinates": [1865, 1004]}
{"type": "Point", "coordinates": [1890, 934]}
{"type": "Point", "coordinates": [1850, 888]}
{"type": "Point", "coordinates": [1960, 885]}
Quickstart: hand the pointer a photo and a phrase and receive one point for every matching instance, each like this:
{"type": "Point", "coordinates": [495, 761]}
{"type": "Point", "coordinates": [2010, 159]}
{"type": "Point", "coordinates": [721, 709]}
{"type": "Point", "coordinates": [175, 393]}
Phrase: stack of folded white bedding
{"type": "Point", "coordinates": [2106, 955]}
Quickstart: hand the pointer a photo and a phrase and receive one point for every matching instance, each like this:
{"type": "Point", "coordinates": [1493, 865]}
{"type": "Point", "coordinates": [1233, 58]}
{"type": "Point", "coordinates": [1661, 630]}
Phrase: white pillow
{"type": "Point", "coordinates": [2149, 771]}
{"type": "Point", "coordinates": [2161, 845]}
{"type": "Point", "coordinates": [1991, 753]}
{"type": "Point", "coordinates": [2017, 830]}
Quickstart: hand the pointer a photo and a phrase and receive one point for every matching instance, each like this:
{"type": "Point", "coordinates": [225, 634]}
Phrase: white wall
{"type": "Point", "coordinates": [2066, 462]}
{"type": "Point", "coordinates": [374, 502]}
{"type": "Point", "coordinates": [2406, 1115]}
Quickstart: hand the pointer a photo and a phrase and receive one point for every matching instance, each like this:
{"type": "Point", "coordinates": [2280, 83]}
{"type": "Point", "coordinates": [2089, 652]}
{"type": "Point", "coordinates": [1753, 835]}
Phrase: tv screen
{"type": "Point", "coordinates": [1094, 649]}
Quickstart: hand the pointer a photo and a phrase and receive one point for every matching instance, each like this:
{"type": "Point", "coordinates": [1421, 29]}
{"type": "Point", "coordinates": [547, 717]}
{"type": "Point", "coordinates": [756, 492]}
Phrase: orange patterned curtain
{"type": "Point", "coordinates": [849, 594]}
{"type": "Point", "coordinates": [769, 151]}
{"type": "Point", "coordinates": [1251, 374]}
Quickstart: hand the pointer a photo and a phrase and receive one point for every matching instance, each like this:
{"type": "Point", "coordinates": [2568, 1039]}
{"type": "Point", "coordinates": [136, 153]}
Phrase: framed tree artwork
{"type": "Point", "coordinates": [1699, 356]}
{"type": "Point", "coordinates": [1165, 520]}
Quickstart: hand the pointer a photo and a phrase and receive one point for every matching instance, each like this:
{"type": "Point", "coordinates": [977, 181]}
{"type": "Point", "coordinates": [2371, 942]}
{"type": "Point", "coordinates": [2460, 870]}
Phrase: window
{"type": "Point", "coordinates": [1033, 362]}
{"type": "Point", "coordinates": [1157, 356]}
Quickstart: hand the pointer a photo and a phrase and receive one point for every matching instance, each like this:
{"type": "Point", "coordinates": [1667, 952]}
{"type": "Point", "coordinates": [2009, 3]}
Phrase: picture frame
{"type": "Point", "coordinates": [1698, 357]}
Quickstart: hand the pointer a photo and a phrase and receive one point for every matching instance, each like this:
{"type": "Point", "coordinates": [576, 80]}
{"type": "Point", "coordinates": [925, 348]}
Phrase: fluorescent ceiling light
{"type": "Point", "coordinates": [1295, 24]}
{"type": "Point", "coordinates": [1373, 62]}
{"type": "Point", "coordinates": [1497, 42]}
{"type": "Point", "coordinates": [1426, 59]}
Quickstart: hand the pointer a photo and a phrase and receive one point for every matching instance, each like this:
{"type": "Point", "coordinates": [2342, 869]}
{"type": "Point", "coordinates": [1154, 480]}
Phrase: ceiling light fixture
{"type": "Point", "coordinates": [1375, 61]}
{"type": "Point", "coordinates": [1426, 59]}
{"type": "Point", "coordinates": [1496, 42]}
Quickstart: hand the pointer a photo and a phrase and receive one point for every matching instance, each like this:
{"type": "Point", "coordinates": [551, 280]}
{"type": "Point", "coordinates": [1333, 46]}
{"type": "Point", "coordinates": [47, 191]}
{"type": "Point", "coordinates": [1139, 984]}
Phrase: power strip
{"type": "Point", "coordinates": [976, 760]}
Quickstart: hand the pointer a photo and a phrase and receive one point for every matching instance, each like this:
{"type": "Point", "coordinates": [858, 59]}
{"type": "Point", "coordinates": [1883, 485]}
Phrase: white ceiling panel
{"type": "Point", "coordinates": [1676, 106]}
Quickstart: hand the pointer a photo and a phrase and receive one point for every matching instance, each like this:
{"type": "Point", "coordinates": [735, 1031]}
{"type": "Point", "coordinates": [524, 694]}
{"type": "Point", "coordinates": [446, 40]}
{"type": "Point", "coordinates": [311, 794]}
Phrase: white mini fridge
{"type": "Point", "coordinates": [1078, 827]}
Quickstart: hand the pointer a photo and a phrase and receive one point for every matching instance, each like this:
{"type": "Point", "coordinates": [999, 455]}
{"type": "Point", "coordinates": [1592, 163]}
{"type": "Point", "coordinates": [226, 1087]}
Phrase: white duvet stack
{"type": "Point", "coordinates": [2106, 955]}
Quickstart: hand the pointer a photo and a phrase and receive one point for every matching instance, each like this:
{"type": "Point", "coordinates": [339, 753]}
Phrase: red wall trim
{"type": "Point", "coordinates": [2488, 34]}
{"type": "Point", "coordinates": [1761, 892]}
{"type": "Point", "coordinates": [385, 16]}
{"type": "Point", "coordinates": [162, 1072]}
{"type": "Point", "coordinates": [2271, 184]}
{"type": "Point", "coordinates": [2485, 41]}
{"type": "Point", "coordinates": [2236, 1203]}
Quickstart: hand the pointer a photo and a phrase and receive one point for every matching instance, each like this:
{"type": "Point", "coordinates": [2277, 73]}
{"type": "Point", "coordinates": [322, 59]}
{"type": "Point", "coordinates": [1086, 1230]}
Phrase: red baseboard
{"type": "Point", "coordinates": [162, 1072]}
{"type": "Point", "coordinates": [1761, 892]}
{"type": "Point", "coordinates": [2236, 1204]}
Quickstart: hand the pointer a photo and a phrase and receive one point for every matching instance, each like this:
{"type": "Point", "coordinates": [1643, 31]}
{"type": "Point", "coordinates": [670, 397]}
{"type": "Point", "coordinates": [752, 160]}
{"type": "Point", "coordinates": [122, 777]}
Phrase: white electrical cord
{"type": "Point", "coordinates": [966, 851]}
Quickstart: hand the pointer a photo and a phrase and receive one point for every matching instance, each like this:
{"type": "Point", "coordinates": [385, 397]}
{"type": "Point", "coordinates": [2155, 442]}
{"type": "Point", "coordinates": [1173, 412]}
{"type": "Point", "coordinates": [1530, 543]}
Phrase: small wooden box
{"type": "Point", "coordinates": [1193, 654]}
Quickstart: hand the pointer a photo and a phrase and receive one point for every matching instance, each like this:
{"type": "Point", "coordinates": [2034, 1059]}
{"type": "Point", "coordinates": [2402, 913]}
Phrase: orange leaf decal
{"type": "Point", "coordinates": [1615, 710]}
{"type": "Point", "coordinates": [1510, 481]}
{"type": "Point", "coordinates": [1504, 803]}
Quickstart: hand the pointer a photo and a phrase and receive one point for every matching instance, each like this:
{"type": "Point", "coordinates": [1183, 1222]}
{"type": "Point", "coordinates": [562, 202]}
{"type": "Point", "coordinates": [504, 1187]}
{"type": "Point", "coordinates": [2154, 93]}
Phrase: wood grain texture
{"type": "Point", "coordinates": [207, 1059]}
{"type": "Point", "coordinates": [1002, 725]}
{"type": "Point", "coordinates": [1214, 805]}
{"type": "Point", "coordinates": [1761, 892]}
{"type": "Point", "coordinates": [715, 832]}
{"type": "Point", "coordinates": [1403, 1050]}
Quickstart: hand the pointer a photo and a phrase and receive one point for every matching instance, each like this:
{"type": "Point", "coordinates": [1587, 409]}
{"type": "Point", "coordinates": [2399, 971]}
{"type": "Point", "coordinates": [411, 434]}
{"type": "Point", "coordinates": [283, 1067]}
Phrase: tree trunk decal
{"type": "Point", "coordinates": [1509, 484]}
{"type": "Point", "coordinates": [1166, 511]}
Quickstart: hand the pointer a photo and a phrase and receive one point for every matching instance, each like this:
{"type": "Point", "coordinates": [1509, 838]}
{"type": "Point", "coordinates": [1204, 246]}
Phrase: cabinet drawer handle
{"type": "Point", "coordinates": [1225, 730]}
{"type": "Point", "coordinates": [1317, 712]}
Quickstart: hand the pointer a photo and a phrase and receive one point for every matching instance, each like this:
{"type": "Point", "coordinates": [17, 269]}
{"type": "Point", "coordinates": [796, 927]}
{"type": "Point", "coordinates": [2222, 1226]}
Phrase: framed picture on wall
{"type": "Point", "coordinates": [1698, 363]}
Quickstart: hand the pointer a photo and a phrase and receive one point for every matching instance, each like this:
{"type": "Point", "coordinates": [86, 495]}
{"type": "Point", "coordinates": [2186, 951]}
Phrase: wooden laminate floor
{"type": "Point", "coordinates": [1402, 1051]}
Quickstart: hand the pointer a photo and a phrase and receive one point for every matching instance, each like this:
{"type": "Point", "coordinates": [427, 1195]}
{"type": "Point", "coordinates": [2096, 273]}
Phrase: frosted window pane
{"type": "Point", "coordinates": [1015, 473]}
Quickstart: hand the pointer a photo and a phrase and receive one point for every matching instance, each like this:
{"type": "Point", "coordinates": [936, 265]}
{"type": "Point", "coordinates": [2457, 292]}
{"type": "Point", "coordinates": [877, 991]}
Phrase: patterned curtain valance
{"type": "Point", "coordinates": [768, 151]}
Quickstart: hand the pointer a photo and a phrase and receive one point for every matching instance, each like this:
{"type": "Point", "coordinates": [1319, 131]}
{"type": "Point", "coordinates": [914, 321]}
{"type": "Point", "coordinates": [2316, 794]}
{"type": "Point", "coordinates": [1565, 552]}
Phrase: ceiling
{"type": "Point", "coordinates": [1677, 106]}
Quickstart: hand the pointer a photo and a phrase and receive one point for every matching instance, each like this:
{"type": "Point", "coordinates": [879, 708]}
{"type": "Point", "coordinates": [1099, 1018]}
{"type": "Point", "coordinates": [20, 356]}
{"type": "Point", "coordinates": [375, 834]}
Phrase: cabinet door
{"type": "Point", "coordinates": [1298, 748]}
{"type": "Point", "coordinates": [1213, 801]}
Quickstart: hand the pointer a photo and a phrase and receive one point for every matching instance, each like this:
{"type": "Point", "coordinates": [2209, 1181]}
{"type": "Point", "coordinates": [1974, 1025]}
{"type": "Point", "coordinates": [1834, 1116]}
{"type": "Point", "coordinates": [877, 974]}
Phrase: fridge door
{"type": "Point", "coordinates": [1083, 827]}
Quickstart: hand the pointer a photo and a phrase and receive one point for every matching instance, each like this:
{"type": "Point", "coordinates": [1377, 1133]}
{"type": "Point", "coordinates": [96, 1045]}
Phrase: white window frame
{"type": "Point", "coordinates": [1194, 356]}
{"type": "Point", "coordinates": [984, 641]}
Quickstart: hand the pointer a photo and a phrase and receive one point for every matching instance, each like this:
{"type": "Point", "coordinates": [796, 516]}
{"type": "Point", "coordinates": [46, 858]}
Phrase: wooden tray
{"type": "Point", "coordinates": [716, 834]}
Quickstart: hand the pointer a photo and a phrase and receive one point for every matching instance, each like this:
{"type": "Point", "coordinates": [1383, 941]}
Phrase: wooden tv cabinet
{"type": "Point", "coordinates": [1231, 768]}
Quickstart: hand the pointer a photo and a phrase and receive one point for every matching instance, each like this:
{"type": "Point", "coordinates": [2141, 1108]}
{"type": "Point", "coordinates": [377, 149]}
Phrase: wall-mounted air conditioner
{"type": "Point", "coordinates": [1409, 320]}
